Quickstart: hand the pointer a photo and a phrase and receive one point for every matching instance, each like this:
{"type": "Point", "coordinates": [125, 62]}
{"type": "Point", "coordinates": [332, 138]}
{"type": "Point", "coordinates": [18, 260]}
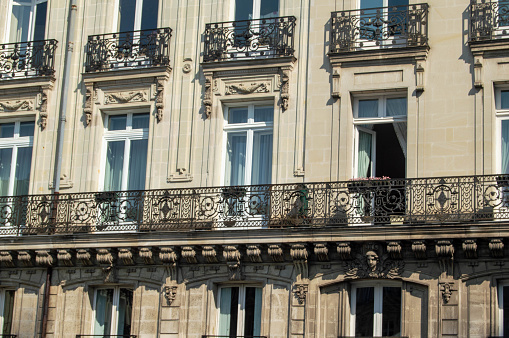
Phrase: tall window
{"type": "Point", "coordinates": [256, 9]}
{"type": "Point", "coordinates": [376, 310]}
{"type": "Point", "coordinates": [381, 136]}
{"type": "Point", "coordinates": [240, 311]}
{"type": "Point", "coordinates": [16, 139]}
{"type": "Point", "coordinates": [6, 311]}
{"type": "Point", "coordinates": [249, 145]}
{"type": "Point", "coordinates": [502, 105]}
{"type": "Point", "coordinates": [392, 16]}
{"type": "Point", "coordinates": [113, 311]}
{"type": "Point", "coordinates": [136, 15]}
{"type": "Point", "coordinates": [27, 20]}
{"type": "Point", "coordinates": [126, 151]}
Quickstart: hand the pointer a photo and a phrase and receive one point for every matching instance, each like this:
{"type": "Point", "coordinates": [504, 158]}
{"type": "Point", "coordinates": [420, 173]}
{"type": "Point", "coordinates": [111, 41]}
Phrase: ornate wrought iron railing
{"type": "Point", "coordinates": [209, 336]}
{"type": "Point", "coordinates": [146, 48]}
{"type": "Point", "coordinates": [489, 20]}
{"type": "Point", "coordinates": [105, 336]}
{"type": "Point", "coordinates": [27, 59]}
{"type": "Point", "coordinates": [273, 37]}
{"type": "Point", "coordinates": [378, 28]}
{"type": "Point", "coordinates": [397, 201]}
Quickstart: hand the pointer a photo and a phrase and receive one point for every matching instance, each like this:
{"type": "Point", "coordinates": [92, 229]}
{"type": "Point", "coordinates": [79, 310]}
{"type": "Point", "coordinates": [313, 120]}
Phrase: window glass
{"type": "Point", "coordinates": [237, 115]}
{"type": "Point", "coordinates": [20, 23]}
{"type": "Point", "coordinates": [40, 21]}
{"type": "Point", "coordinates": [391, 311]}
{"type": "Point", "coordinates": [371, 3]}
{"type": "Point", "coordinates": [263, 114]}
{"type": "Point", "coordinates": [126, 15]}
{"type": "Point", "coordinates": [117, 122]}
{"type": "Point", "coordinates": [504, 99]}
{"type": "Point", "coordinates": [505, 147]}
{"type": "Point", "coordinates": [368, 108]}
{"type": "Point", "coordinates": [396, 106]}
{"type": "Point", "coordinates": [125, 308]}
{"type": "Point", "coordinates": [236, 158]}
{"type": "Point", "coordinates": [113, 306]}
{"type": "Point", "coordinates": [6, 130]}
{"type": "Point", "coordinates": [262, 164]}
{"type": "Point", "coordinates": [8, 312]}
{"type": "Point", "coordinates": [137, 165]}
{"type": "Point", "coordinates": [364, 309]}
{"type": "Point", "coordinates": [243, 10]}
{"type": "Point", "coordinates": [141, 121]}
{"type": "Point", "coordinates": [22, 174]}
{"type": "Point", "coordinates": [269, 9]}
{"type": "Point", "coordinates": [5, 170]}
{"type": "Point", "coordinates": [240, 307]}
{"type": "Point", "coordinates": [26, 129]}
{"type": "Point", "coordinates": [149, 14]}
{"type": "Point", "coordinates": [103, 311]}
{"type": "Point", "coordinates": [114, 166]}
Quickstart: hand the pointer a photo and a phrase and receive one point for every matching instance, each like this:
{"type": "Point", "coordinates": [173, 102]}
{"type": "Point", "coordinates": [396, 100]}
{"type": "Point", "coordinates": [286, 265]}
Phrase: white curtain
{"type": "Point", "coordinates": [236, 165]}
{"type": "Point", "coordinates": [22, 175]}
{"type": "Point", "coordinates": [257, 312]}
{"type": "Point", "coordinates": [224, 311]}
{"type": "Point", "coordinates": [368, 108]}
{"type": "Point", "coordinates": [262, 159]}
{"type": "Point", "coordinates": [400, 130]}
{"type": "Point", "coordinates": [364, 154]}
{"type": "Point", "coordinates": [20, 23]}
{"type": "Point", "coordinates": [114, 166]}
{"type": "Point", "coordinates": [137, 165]}
{"type": "Point", "coordinates": [103, 307]}
{"type": "Point", "coordinates": [396, 107]}
{"type": "Point", "coordinates": [505, 147]}
{"type": "Point", "coordinates": [5, 170]}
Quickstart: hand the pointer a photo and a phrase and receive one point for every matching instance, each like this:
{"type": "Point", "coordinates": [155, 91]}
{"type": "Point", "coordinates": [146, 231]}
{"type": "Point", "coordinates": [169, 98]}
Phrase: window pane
{"type": "Point", "coordinates": [364, 155]}
{"type": "Point", "coordinates": [237, 115]}
{"type": "Point", "coordinates": [5, 170]}
{"type": "Point", "coordinates": [126, 13]}
{"type": "Point", "coordinates": [103, 308]}
{"type": "Point", "coordinates": [264, 114]}
{"type": "Point", "coordinates": [228, 311]}
{"type": "Point", "coordinates": [504, 99]}
{"type": "Point", "coordinates": [371, 3]}
{"type": "Point", "coordinates": [117, 122]}
{"type": "Point", "coordinates": [262, 158]}
{"type": "Point", "coordinates": [269, 9]}
{"type": "Point", "coordinates": [6, 130]}
{"type": "Point", "coordinates": [40, 21]}
{"type": "Point", "coordinates": [149, 14]}
{"type": "Point", "coordinates": [391, 313]}
{"type": "Point", "coordinates": [26, 129]}
{"type": "Point", "coordinates": [125, 306]}
{"type": "Point", "coordinates": [253, 309]}
{"type": "Point", "coordinates": [141, 121]}
{"type": "Point", "coordinates": [368, 108]}
{"type": "Point", "coordinates": [505, 147]}
{"type": "Point", "coordinates": [22, 175]}
{"type": "Point", "coordinates": [364, 309]}
{"type": "Point", "coordinates": [236, 159]}
{"type": "Point", "coordinates": [505, 304]}
{"type": "Point", "coordinates": [396, 107]}
{"type": "Point", "coordinates": [137, 165]}
{"type": "Point", "coordinates": [243, 10]}
{"type": "Point", "coordinates": [8, 311]}
{"type": "Point", "coordinates": [114, 166]}
{"type": "Point", "coordinates": [20, 23]}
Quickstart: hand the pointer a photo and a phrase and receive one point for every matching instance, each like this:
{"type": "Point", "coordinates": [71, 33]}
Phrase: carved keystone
{"type": "Point", "coordinates": [170, 293]}
{"type": "Point", "coordinates": [300, 291]}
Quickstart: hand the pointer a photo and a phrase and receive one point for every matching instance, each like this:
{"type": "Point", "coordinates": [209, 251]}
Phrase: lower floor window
{"type": "Point", "coordinates": [240, 311]}
{"type": "Point", "coordinates": [6, 310]}
{"type": "Point", "coordinates": [113, 308]}
{"type": "Point", "coordinates": [376, 310]}
{"type": "Point", "coordinates": [503, 309]}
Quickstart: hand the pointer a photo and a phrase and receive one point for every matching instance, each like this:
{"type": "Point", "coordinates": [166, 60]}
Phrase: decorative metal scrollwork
{"type": "Point", "coordinates": [27, 59]}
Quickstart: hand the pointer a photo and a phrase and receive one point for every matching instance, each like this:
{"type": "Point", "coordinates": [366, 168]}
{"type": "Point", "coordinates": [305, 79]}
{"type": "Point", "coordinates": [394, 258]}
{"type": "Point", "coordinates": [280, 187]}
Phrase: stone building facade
{"type": "Point", "coordinates": [264, 168]}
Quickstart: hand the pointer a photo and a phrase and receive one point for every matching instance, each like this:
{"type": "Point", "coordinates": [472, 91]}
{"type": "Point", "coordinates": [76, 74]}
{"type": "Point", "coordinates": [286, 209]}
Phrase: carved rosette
{"type": "Point", "coordinates": [470, 248]}
{"type": "Point", "coordinates": [419, 249]}
{"type": "Point", "coordinates": [344, 251]}
{"type": "Point", "coordinates": [167, 255]}
{"type": "Point", "coordinates": [84, 256]}
{"type": "Point", "coordinates": [496, 248]}
{"type": "Point", "coordinates": [146, 255]}
{"type": "Point", "coordinates": [64, 257]}
{"type": "Point", "coordinates": [6, 259]}
{"type": "Point", "coordinates": [210, 254]}
{"type": "Point", "coordinates": [322, 252]}
{"type": "Point", "coordinates": [126, 255]}
{"type": "Point", "coordinates": [394, 250]}
{"type": "Point", "coordinates": [189, 254]}
{"type": "Point", "coordinates": [207, 95]}
{"type": "Point", "coordinates": [25, 258]}
{"type": "Point", "coordinates": [300, 291]}
{"type": "Point", "coordinates": [232, 256]}
{"type": "Point", "coordinates": [254, 253]}
{"type": "Point", "coordinates": [43, 258]}
{"type": "Point", "coordinates": [275, 251]}
{"type": "Point", "coordinates": [170, 293]}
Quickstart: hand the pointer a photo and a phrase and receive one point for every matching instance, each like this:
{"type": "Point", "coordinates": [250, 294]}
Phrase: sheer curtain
{"type": "Point", "coordinates": [262, 159]}
{"type": "Point", "coordinates": [137, 165]}
{"type": "Point", "coordinates": [396, 106]}
{"type": "Point", "coordinates": [5, 170]}
{"type": "Point", "coordinates": [257, 312]}
{"type": "Point", "coordinates": [22, 176]}
{"type": "Point", "coordinates": [400, 130]}
{"type": "Point", "coordinates": [114, 166]}
{"type": "Point", "coordinates": [505, 147]}
{"type": "Point", "coordinates": [364, 154]}
{"type": "Point", "coordinates": [236, 166]}
{"type": "Point", "coordinates": [103, 307]}
{"type": "Point", "coordinates": [20, 22]}
{"type": "Point", "coordinates": [225, 311]}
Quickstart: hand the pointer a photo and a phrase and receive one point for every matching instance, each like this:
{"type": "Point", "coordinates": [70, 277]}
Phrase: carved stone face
{"type": "Point", "coordinates": [371, 259]}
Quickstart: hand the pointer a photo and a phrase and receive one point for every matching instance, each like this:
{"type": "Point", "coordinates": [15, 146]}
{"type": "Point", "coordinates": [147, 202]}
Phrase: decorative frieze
{"type": "Point", "coordinates": [470, 248]}
{"type": "Point", "coordinates": [84, 256]}
{"type": "Point", "coordinates": [210, 254]}
{"type": "Point", "coordinates": [275, 251]}
{"type": "Point", "coordinates": [16, 105]}
{"type": "Point", "coordinates": [233, 256]}
{"type": "Point", "coordinates": [394, 250]}
{"type": "Point", "coordinates": [146, 255]}
{"type": "Point", "coordinates": [322, 252]}
{"type": "Point", "coordinates": [344, 251]}
{"type": "Point", "coordinates": [419, 249]}
{"type": "Point", "coordinates": [126, 97]}
{"type": "Point", "coordinates": [126, 255]}
{"type": "Point", "coordinates": [250, 88]}
{"type": "Point", "coordinates": [496, 248]}
{"type": "Point", "coordinates": [254, 253]}
{"type": "Point", "coordinates": [43, 258]}
{"type": "Point", "coordinates": [300, 290]}
{"type": "Point", "coordinates": [64, 257]}
{"type": "Point", "coordinates": [170, 293]}
{"type": "Point", "coordinates": [189, 254]}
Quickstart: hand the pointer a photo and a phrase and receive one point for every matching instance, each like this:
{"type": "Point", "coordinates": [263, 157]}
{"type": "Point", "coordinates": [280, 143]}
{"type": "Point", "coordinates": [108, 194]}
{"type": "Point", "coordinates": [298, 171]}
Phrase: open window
{"type": "Point", "coordinates": [502, 111]}
{"type": "Point", "coordinates": [256, 9]}
{"type": "Point", "coordinates": [240, 311]}
{"type": "Point", "coordinates": [27, 21]}
{"type": "Point", "coordinates": [112, 312]}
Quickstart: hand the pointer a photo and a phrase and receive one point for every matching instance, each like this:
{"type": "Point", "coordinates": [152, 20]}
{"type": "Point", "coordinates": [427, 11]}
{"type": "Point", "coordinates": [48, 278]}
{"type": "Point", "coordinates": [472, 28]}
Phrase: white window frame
{"type": "Point", "coordinates": [2, 308]}
{"type": "Point", "coordinates": [114, 307]}
{"type": "Point", "coordinates": [33, 4]}
{"type": "Point", "coordinates": [14, 143]}
{"type": "Point", "coordinates": [240, 306]}
{"type": "Point", "coordinates": [501, 114]}
{"type": "Point", "coordinates": [127, 136]}
{"type": "Point", "coordinates": [256, 9]}
{"type": "Point", "coordinates": [137, 15]}
{"type": "Point", "coordinates": [249, 128]}
{"type": "Point", "coordinates": [380, 119]}
{"type": "Point", "coordinates": [378, 304]}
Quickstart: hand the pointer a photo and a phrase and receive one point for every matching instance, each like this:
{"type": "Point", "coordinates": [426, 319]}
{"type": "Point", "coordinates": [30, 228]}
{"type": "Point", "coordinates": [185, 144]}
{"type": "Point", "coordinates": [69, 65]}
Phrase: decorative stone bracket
{"type": "Point", "coordinates": [299, 254]}
{"type": "Point", "coordinates": [233, 256]}
{"type": "Point", "coordinates": [170, 293]}
{"type": "Point", "coordinates": [300, 290]}
{"type": "Point", "coordinates": [447, 288]}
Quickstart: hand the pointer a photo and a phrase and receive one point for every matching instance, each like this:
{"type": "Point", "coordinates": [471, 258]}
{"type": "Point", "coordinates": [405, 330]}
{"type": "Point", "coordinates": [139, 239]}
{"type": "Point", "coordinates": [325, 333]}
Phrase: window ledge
{"type": "Point", "coordinates": [380, 56]}
{"type": "Point", "coordinates": [127, 74]}
{"type": "Point", "coordinates": [490, 46]}
{"type": "Point", "coordinates": [234, 65]}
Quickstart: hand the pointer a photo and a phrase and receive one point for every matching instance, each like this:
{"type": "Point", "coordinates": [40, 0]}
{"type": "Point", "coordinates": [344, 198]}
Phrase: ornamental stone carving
{"type": "Point", "coordinates": [344, 251]}
{"type": "Point", "coordinates": [300, 291]}
{"type": "Point", "coordinates": [126, 255]}
{"type": "Point", "coordinates": [496, 248]}
{"type": "Point", "coordinates": [445, 253]}
{"type": "Point", "coordinates": [285, 88]}
{"type": "Point", "coordinates": [419, 249]}
{"type": "Point", "coordinates": [322, 252]}
{"type": "Point", "coordinates": [470, 248]}
{"type": "Point", "coordinates": [89, 97]}
{"type": "Point", "coordinates": [16, 105]}
{"type": "Point", "coordinates": [104, 256]}
{"type": "Point", "coordinates": [299, 254]}
{"type": "Point", "coordinates": [210, 254]}
{"type": "Point", "coordinates": [6, 259]}
{"type": "Point", "coordinates": [43, 258]}
{"type": "Point", "coordinates": [372, 265]}
{"type": "Point", "coordinates": [126, 97]}
{"type": "Point", "coordinates": [25, 258]}
{"type": "Point", "coordinates": [207, 95]}
{"type": "Point", "coordinates": [241, 88]}
{"type": "Point", "coordinates": [232, 256]}
{"type": "Point", "coordinates": [160, 98]}
{"type": "Point", "coordinates": [64, 257]}
{"type": "Point", "coordinates": [275, 251]}
{"type": "Point", "coordinates": [84, 256]}
{"type": "Point", "coordinates": [146, 255]}
{"type": "Point", "coordinates": [167, 255]}
{"type": "Point", "coordinates": [189, 254]}
{"type": "Point", "coordinates": [170, 293]}
{"type": "Point", "coordinates": [446, 288]}
{"type": "Point", "coordinates": [394, 250]}
{"type": "Point", "coordinates": [254, 253]}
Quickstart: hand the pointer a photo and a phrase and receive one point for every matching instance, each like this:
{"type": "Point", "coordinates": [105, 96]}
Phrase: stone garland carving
{"type": "Point", "coordinates": [285, 88]}
{"type": "Point", "coordinates": [394, 250]}
{"type": "Point", "coordinates": [167, 255]}
{"type": "Point", "coordinates": [232, 256]}
{"type": "Point", "coordinates": [126, 97]}
{"type": "Point", "coordinates": [254, 253]}
{"type": "Point", "coordinates": [146, 255]}
{"type": "Point", "coordinates": [419, 249]}
{"type": "Point", "coordinates": [275, 251]}
{"type": "Point", "coordinates": [207, 95]}
{"type": "Point", "coordinates": [25, 258]}
{"type": "Point", "coordinates": [160, 98]}
{"type": "Point", "coordinates": [18, 105]}
{"type": "Point", "coordinates": [89, 97]}
{"type": "Point", "coordinates": [64, 257]}
{"type": "Point", "coordinates": [43, 258]}
{"type": "Point", "coordinates": [210, 254]}
{"type": "Point", "coordinates": [300, 291]}
{"type": "Point", "coordinates": [189, 254]}
{"type": "Point", "coordinates": [322, 252]}
{"type": "Point", "coordinates": [371, 265]}
{"type": "Point", "coordinates": [126, 255]}
{"type": "Point", "coordinates": [241, 88]}
{"type": "Point", "coordinates": [470, 248]}
{"type": "Point", "coordinates": [6, 259]}
{"type": "Point", "coordinates": [496, 248]}
{"type": "Point", "coordinates": [344, 251]}
{"type": "Point", "coordinates": [84, 256]}
{"type": "Point", "coordinates": [170, 293]}
{"type": "Point", "coordinates": [446, 289]}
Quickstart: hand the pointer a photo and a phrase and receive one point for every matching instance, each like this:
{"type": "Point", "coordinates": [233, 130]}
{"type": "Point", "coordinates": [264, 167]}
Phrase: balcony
{"type": "Point", "coordinates": [379, 28]}
{"type": "Point", "coordinates": [249, 39]}
{"type": "Point", "coordinates": [209, 336]}
{"type": "Point", "coordinates": [422, 201]}
{"type": "Point", "coordinates": [27, 59]}
{"type": "Point", "coordinates": [489, 20]}
{"type": "Point", "coordinates": [104, 336]}
{"type": "Point", "coordinates": [127, 50]}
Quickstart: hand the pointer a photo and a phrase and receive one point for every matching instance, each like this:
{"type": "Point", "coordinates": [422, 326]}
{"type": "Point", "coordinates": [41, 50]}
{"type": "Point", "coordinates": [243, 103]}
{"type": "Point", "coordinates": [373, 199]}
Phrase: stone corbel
{"type": "Point", "coordinates": [44, 258]}
{"type": "Point", "coordinates": [170, 293]}
{"type": "Point", "coordinates": [209, 253]}
{"type": "Point", "coordinates": [254, 253]}
{"type": "Point", "coordinates": [478, 72]}
{"type": "Point", "coordinates": [147, 255]}
{"type": "Point", "coordinates": [447, 288]}
{"type": "Point", "coordinates": [300, 290]}
{"type": "Point", "coordinates": [6, 259]}
{"type": "Point", "coordinates": [232, 255]}
{"type": "Point", "coordinates": [344, 251]}
{"type": "Point", "coordinates": [299, 254]}
{"type": "Point", "coordinates": [336, 83]}
{"type": "Point", "coordinates": [445, 253]}
{"type": "Point", "coordinates": [160, 97]}
{"type": "Point", "coordinates": [64, 257]}
{"type": "Point", "coordinates": [285, 87]}
{"type": "Point", "coordinates": [394, 250]}
{"type": "Point", "coordinates": [89, 97]}
{"type": "Point", "coordinates": [126, 255]}
{"type": "Point", "coordinates": [84, 256]}
{"type": "Point", "coordinates": [207, 95]}
{"type": "Point", "coordinates": [105, 258]}
{"type": "Point", "coordinates": [470, 248]}
{"type": "Point", "coordinates": [168, 255]}
{"type": "Point", "coordinates": [322, 252]}
{"type": "Point", "coordinates": [496, 248]}
{"type": "Point", "coordinates": [25, 258]}
{"type": "Point", "coordinates": [189, 254]}
{"type": "Point", "coordinates": [275, 251]}
{"type": "Point", "coordinates": [419, 249]}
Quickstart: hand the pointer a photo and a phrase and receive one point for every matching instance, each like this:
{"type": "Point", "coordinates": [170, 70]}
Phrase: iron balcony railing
{"type": "Point", "coordinates": [381, 202]}
{"type": "Point", "coordinates": [489, 20]}
{"type": "Point", "coordinates": [379, 28]}
{"type": "Point", "coordinates": [272, 37]}
{"type": "Point", "coordinates": [105, 336]}
{"type": "Point", "coordinates": [231, 336]}
{"type": "Point", "coordinates": [145, 48]}
{"type": "Point", "coordinates": [27, 59]}
{"type": "Point", "coordinates": [8, 336]}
